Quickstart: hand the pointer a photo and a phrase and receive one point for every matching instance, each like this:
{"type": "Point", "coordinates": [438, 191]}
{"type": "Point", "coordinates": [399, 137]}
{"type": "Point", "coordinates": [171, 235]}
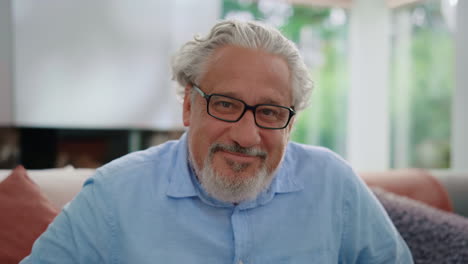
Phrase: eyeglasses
{"type": "Point", "coordinates": [230, 109]}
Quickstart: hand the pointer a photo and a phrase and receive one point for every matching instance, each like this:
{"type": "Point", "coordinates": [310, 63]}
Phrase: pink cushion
{"type": "Point", "coordinates": [417, 184]}
{"type": "Point", "coordinates": [25, 214]}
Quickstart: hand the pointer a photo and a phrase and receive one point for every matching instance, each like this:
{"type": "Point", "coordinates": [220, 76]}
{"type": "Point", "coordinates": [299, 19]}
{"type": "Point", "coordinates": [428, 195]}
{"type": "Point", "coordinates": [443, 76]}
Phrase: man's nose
{"type": "Point", "coordinates": [245, 132]}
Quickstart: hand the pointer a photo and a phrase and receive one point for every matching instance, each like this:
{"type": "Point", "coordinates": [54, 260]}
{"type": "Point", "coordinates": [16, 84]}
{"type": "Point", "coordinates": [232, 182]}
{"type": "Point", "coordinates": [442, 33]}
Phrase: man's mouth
{"type": "Point", "coordinates": [238, 157]}
{"type": "Point", "coordinates": [237, 152]}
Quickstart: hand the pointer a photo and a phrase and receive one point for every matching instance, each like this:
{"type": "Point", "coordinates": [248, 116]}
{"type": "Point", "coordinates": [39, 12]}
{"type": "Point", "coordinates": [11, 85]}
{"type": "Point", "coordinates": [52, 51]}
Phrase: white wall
{"type": "Point", "coordinates": [101, 63]}
{"type": "Point", "coordinates": [6, 73]}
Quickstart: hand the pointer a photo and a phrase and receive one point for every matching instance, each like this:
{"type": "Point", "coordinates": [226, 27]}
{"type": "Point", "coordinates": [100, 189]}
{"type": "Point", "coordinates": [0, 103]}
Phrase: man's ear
{"type": "Point", "coordinates": [187, 107]}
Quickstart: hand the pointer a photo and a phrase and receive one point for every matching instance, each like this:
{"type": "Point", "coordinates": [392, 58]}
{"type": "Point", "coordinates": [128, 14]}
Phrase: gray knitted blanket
{"type": "Point", "coordinates": [433, 236]}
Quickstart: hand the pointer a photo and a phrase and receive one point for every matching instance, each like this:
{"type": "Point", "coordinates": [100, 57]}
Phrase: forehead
{"type": "Point", "coordinates": [249, 74]}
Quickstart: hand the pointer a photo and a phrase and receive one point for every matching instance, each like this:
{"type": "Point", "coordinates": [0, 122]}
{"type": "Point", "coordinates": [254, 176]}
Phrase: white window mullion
{"type": "Point", "coordinates": [401, 104]}
{"type": "Point", "coordinates": [460, 95]}
{"type": "Point", "coordinates": [368, 115]}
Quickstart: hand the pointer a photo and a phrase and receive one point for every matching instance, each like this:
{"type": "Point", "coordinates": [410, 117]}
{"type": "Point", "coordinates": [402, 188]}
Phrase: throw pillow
{"type": "Point", "coordinates": [417, 184]}
{"type": "Point", "coordinates": [25, 212]}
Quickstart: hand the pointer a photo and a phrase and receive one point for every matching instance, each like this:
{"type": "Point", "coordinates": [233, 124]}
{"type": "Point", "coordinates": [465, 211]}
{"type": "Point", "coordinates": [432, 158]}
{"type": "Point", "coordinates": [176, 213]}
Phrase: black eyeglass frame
{"type": "Point", "coordinates": [246, 107]}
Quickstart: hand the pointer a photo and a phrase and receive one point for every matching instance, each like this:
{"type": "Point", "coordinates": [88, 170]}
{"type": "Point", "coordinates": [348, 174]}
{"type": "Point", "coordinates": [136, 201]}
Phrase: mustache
{"type": "Point", "coordinates": [236, 148]}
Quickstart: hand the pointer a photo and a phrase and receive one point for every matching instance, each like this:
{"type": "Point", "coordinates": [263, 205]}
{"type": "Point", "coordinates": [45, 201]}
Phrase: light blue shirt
{"type": "Point", "coordinates": [148, 207]}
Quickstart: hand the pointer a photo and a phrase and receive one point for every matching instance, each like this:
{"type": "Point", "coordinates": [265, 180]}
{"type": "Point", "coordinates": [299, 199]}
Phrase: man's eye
{"type": "Point", "coordinates": [224, 104]}
{"type": "Point", "coordinates": [269, 112]}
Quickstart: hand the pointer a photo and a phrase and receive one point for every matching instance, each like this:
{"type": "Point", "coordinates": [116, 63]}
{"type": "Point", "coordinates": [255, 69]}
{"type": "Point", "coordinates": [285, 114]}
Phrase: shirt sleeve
{"type": "Point", "coordinates": [369, 235]}
{"type": "Point", "coordinates": [81, 233]}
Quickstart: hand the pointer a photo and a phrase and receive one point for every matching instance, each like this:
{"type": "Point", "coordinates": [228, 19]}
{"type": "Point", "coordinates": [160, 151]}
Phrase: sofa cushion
{"type": "Point", "coordinates": [433, 235]}
{"type": "Point", "coordinates": [26, 213]}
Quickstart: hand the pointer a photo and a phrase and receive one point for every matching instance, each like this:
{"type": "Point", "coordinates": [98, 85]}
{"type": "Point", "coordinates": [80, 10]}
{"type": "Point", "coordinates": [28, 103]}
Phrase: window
{"type": "Point", "coordinates": [321, 35]}
{"type": "Point", "coordinates": [422, 80]}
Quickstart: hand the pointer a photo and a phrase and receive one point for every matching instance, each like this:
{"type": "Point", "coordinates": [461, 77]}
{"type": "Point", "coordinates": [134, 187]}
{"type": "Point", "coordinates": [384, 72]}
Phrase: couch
{"type": "Point", "coordinates": [420, 204]}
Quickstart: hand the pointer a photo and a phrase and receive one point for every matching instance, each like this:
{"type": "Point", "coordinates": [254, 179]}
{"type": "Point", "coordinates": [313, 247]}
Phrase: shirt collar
{"type": "Point", "coordinates": [180, 182]}
{"type": "Point", "coordinates": [183, 183]}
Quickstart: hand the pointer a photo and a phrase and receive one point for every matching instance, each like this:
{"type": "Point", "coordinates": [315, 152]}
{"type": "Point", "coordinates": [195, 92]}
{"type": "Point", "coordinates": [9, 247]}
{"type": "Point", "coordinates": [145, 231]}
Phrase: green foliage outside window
{"type": "Point", "coordinates": [429, 81]}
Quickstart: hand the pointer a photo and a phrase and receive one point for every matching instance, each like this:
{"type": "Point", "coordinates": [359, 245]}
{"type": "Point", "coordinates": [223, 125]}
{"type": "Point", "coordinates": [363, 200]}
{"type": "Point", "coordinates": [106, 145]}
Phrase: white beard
{"type": "Point", "coordinates": [231, 188]}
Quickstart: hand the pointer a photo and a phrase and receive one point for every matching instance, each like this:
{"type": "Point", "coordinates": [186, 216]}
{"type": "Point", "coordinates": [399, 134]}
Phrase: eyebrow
{"type": "Point", "coordinates": [263, 100]}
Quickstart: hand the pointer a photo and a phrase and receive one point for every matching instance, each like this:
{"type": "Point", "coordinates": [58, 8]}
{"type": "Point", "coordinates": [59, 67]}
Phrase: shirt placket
{"type": "Point", "coordinates": [242, 236]}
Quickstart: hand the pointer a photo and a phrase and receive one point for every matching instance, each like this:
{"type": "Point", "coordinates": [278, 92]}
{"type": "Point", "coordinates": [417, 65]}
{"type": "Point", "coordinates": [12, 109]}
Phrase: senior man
{"type": "Point", "coordinates": [233, 189]}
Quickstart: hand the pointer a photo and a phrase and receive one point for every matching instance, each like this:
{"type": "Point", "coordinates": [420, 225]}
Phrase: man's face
{"type": "Point", "coordinates": [216, 146]}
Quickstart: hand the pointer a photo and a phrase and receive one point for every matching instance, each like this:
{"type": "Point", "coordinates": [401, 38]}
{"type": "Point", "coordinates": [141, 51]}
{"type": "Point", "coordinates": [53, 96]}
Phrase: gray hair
{"type": "Point", "coordinates": [189, 63]}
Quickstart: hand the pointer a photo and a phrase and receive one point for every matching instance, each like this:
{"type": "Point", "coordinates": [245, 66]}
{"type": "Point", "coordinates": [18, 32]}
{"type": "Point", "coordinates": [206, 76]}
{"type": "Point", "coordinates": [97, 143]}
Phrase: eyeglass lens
{"type": "Point", "coordinates": [231, 109]}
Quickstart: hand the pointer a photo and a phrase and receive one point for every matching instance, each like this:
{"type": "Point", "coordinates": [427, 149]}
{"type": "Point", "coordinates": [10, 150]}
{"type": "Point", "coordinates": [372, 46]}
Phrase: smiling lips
{"type": "Point", "coordinates": [239, 157]}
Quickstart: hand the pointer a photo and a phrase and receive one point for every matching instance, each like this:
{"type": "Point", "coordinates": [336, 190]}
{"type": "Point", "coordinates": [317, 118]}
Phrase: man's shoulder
{"type": "Point", "coordinates": [318, 164]}
{"type": "Point", "coordinates": [136, 166]}
{"type": "Point", "coordinates": [141, 178]}
{"type": "Point", "coordinates": [320, 156]}
{"type": "Point", "coordinates": [156, 155]}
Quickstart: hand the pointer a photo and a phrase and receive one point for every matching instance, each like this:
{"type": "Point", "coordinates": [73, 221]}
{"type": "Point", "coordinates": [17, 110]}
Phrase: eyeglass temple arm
{"type": "Point", "coordinates": [199, 91]}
